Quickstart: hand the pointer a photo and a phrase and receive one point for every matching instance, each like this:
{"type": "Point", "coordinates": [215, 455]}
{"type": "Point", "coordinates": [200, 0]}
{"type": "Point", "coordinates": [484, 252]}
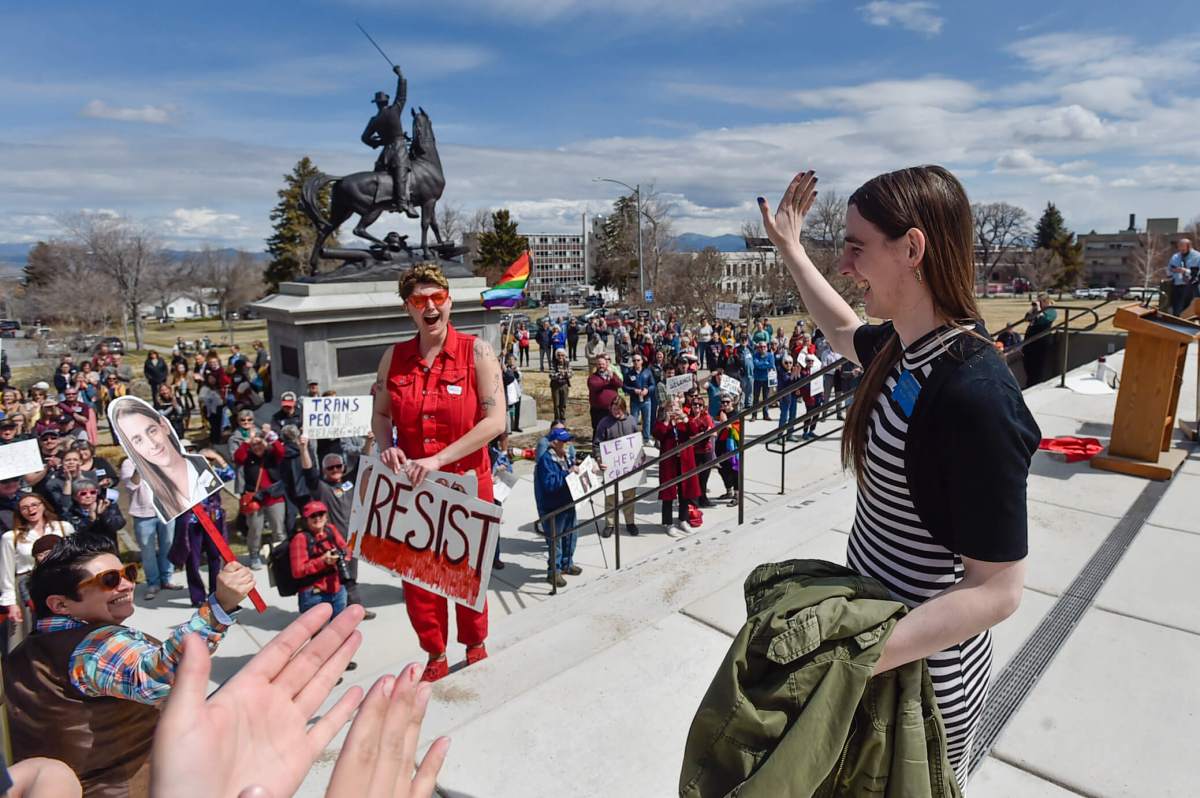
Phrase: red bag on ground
{"type": "Point", "coordinates": [695, 517]}
{"type": "Point", "coordinates": [1072, 449]}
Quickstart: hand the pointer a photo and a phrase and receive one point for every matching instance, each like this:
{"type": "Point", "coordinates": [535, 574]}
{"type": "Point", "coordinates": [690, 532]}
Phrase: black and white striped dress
{"type": "Point", "coordinates": [889, 543]}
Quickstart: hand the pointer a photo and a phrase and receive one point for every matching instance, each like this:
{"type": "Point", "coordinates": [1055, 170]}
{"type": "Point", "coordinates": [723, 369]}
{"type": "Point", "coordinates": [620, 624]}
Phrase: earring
{"type": "Point", "coordinates": [917, 274]}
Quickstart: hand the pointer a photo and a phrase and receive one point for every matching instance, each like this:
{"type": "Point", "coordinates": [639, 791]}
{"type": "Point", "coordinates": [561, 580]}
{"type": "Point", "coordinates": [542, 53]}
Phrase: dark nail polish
{"type": "Point", "coordinates": [761, 200]}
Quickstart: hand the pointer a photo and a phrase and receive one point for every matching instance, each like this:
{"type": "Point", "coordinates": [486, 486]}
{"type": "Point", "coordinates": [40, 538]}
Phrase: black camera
{"type": "Point", "coordinates": [343, 569]}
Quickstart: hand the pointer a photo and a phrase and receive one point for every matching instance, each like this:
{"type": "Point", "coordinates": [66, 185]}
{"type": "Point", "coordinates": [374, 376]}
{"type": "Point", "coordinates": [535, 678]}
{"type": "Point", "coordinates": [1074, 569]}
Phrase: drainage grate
{"type": "Point", "coordinates": [1010, 689]}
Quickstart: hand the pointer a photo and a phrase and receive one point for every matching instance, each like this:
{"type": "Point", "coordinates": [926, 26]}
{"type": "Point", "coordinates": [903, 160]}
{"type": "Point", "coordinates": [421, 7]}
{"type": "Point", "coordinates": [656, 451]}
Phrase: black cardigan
{"type": "Point", "coordinates": [970, 441]}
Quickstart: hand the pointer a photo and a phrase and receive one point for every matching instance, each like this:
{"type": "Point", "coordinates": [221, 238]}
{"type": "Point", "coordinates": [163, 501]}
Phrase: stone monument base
{"type": "Point", "coordinates": [335, 333]}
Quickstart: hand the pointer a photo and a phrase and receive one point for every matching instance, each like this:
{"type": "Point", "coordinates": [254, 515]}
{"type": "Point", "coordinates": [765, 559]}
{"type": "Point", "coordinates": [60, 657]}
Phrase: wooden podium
{"type": "Point", "coordinates": [1151, 378]}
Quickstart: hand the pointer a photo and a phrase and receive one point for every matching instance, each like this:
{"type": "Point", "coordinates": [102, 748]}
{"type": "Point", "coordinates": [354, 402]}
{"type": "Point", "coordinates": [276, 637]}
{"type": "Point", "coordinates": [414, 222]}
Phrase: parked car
{"type": "Point", "coordinates": [83, 342]}
{"type": "Point", "coordinates": [115, 344]}
{"type": "Point", "coordinates": [593, 301]}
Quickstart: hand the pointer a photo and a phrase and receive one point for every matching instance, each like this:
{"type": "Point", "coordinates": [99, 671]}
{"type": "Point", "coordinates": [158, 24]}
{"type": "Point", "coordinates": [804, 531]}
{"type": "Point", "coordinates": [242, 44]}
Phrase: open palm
{"type": "Point", "coordinates": [254, 731]}
{"type": "Point", "coordinates": [784, 226]}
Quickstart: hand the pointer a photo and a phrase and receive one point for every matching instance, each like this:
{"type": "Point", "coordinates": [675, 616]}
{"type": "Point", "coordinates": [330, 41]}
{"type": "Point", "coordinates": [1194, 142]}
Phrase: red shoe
{"type": "Point", "coordinates": [436, 669]}
{"type": "Point", "coordinates": [476, 653]}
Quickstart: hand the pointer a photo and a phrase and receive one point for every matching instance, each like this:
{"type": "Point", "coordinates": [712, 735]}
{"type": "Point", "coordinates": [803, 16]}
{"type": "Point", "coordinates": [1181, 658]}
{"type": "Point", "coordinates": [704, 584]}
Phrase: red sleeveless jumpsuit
{"type": "Point", "coordinates": [434, 404]}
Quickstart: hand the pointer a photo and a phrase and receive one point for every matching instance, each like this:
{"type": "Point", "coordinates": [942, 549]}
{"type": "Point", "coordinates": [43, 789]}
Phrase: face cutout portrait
{"type": "Point", "coordinates": [178, 480]}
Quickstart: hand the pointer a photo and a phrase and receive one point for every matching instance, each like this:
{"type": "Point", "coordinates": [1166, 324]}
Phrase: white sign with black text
{"type": "Point", "coordinates": [336, 416]}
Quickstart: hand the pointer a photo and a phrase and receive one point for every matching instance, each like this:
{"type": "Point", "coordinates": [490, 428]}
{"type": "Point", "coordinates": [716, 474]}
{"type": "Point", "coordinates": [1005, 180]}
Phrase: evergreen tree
{"type": "Point", "coordinates": [1050, 227]}
{"type": "Point", "coordinates": [499, 247]}
{"type": "Point", "coordinates": [41, 264]}
{"type": "Point", "coordinates": [1053, 235]}
{"type": "Point", "coordinates": [617, 264]}
{"type": "Point", "coordinates": [294, 235]}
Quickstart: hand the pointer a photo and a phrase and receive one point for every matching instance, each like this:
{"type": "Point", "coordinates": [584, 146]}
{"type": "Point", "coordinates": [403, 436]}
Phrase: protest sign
{"type": "Point", "coordinates": [729, 310]}
{"type": "Point", "coordinates": [772, 378]}
{"type": "Point", "coordinates": [680, 384]}
{"type": "Point", "coordinates": [434, 535]}
{"type": "Point", "coordinates": [512, 393]}
{"type": "Point", "coordinates": [178, 481]}
{"type": "Point", "coordinates": [587, 479]}
{"type": "Point", "coordinates": [20, 458]}
{"type": "Point", "coordinates": [620, 456]}
{"type": "Point", "coordinates": [336, 416]}
{"type": "Point", "coordinates": [730, 386]}
{"type": "Point", "coordinates": [558, 310]}
{"type": "Point", "coordinates": [504, 481]}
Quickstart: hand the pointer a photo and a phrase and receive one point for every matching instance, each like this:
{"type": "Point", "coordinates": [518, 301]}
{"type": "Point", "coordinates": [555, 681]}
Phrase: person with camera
{"type": "Point", "coordinates": [672, 432]}
{"type": "Point", "coordinates": [320, 559]}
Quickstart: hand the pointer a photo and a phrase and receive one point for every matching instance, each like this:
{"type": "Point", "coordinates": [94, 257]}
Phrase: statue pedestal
{"type": "Point", "coordinates": [336, 332]}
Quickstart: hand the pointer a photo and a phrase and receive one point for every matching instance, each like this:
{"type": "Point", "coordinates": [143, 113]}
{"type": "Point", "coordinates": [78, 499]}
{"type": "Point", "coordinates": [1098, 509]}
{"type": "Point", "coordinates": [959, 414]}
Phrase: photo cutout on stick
{"type": "Point", "coordinates": [178, 480]}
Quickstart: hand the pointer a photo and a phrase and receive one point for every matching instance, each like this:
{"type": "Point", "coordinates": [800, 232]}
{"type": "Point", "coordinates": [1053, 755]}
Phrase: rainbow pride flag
{"type": "Point", "coordinates": [510, 291]}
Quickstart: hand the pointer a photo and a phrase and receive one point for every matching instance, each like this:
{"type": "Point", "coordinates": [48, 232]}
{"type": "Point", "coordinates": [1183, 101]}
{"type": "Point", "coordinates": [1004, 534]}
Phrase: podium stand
{"type": "Point", "coordinates": [1147, 401]}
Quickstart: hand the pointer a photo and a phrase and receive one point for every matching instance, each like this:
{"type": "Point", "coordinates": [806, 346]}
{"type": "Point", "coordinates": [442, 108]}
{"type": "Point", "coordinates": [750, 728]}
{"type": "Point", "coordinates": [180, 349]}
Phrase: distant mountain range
{"type": "Point", "coordinates": [12, 256]}
{"type": "Point", "coordinates": [695, 242]}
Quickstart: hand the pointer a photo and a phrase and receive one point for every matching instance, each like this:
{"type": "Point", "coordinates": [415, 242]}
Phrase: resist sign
{"type": "Point", "coordinates": [337, 416]}
{"type": "Point", "coordinates": [432, 535]}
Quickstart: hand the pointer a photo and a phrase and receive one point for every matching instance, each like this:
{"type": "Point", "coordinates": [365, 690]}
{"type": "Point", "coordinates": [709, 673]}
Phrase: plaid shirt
{"type": "Point", "coordinates": [119, 662]}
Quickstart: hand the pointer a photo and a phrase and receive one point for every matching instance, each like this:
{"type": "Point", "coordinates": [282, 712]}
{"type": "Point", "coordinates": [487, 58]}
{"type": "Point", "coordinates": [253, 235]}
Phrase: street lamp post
{"type": "Point", "coordinates": [637, 193]}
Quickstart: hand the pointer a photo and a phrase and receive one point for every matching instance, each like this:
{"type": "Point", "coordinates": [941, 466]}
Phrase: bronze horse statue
{"type": "Point", "coordinates": [369, 194]}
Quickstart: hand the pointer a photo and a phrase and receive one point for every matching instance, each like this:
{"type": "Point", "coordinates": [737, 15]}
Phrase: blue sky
{"type": "Point", "coordinates": [185, 116]}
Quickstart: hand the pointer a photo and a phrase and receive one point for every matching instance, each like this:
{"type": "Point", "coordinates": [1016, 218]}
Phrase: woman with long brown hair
{"type": "Point", "coordinates": [33, 520]}
{"type": "Point", "coordinates": [938, 437]}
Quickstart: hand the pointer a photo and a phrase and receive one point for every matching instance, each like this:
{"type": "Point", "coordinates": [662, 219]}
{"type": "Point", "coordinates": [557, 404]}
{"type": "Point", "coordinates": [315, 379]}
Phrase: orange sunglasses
{"type": "Point", "coordinates": [111, 579]}
{"type": "Point", "coordinates": [438, 298]}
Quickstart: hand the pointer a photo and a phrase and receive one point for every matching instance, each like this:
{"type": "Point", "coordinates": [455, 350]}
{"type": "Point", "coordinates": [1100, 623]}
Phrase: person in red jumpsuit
{"type": "Point", "coordinates": [442, 394]}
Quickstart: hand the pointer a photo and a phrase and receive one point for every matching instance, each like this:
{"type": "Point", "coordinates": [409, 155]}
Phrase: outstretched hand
{"type": "Point", "coordinates": [252, 737]}
{"type": "Point", "coordinates": [379, 755]}
{"type": "Point", "coordinates": [783, 228]}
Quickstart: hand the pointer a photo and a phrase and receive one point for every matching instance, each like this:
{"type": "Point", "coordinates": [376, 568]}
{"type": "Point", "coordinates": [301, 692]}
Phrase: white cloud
{"type": "Point", "coordinates": [915, 15]}
{"type": "Point", "coordinates": [1072, 123]}
{"type": "Point", "coordinates": [1061, 179]}
{"type": "Point", "coordinates": [1119, 95]}
{"type": "Point", "coordinates": [201, 223]}
{"type": "Point", "coordinates": [1022, 161]}
{"type": "Point", "coordinates": [149, 114]}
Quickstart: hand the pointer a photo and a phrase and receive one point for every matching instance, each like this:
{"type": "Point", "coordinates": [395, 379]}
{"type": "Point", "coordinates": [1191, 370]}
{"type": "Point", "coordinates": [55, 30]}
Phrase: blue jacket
{"type": "Point", "coordinates": [642, 379]}
{"type": "Point", "coordinates": [714, 398]}
{"type": "Point", "coordinates": [550, 490]}
{"type": "Point", "coordinates": [763, 366]}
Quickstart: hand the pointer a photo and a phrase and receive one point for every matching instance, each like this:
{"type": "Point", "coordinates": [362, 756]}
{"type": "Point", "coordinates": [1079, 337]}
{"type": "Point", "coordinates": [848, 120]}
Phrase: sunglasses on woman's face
{"type": "Point", "coordinates": [88, 492]}
{"type": "Point", "coordinates": [421, 301]}
{"type": "Point", "coordinates": [111, 579]}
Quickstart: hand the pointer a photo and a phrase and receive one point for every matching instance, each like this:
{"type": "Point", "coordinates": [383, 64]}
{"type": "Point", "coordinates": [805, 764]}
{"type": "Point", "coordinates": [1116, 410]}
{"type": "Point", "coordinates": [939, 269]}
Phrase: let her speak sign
{"type": "Point", "coordinates": [436, 535]}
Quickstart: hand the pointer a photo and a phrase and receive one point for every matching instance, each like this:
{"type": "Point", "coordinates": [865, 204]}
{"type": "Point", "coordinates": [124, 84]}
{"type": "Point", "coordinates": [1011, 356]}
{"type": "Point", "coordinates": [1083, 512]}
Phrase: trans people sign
{"type": "Point", "coordinates": [435, 535]}
{"type": "Point", "coordinates": [337, 416]}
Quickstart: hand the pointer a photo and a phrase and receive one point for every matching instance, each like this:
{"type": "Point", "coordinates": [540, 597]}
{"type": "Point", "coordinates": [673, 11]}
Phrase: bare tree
{"type": "Point", "coordinates": [227, 279]}
{"type": "Point", "coordinates": [1043, 268]}
{"type": "Point", "coordinates": [826, 222]}
{"type": "Point", "coordinates": [692, 282]}
{"type": "Point", "coordinates": [123, 252]}
{"type": "Point", "coordinates": [452, 220]}
{"type": "Point", "coordinates": [1150, 259]}
{"type": "Point", "coordinates": [998, 228]}
{"type": "Point", "coordinates": [475, 225]}
{"type": "Point", "coordinates": [658, 235]}
{"type": "Point", "coordinates": [59, 272]}
{"type": "Point", "coordinates": [752, 228]}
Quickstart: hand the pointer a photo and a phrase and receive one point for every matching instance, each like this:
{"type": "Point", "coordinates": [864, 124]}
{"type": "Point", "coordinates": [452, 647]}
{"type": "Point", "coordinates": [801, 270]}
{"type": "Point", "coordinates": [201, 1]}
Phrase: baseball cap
{"type": "Point", "coordinates": [48, 431]}
{"type": "Point", "coordinates": [41, 386]}
{"type": "Point", "coordinates": [288, 398]}
{"type": "Point", "coordinates": [314, 507]}
{"type": "Point", "coordinates": [8, 422]}
{"type": "Point", "coordinates": [559, 434]}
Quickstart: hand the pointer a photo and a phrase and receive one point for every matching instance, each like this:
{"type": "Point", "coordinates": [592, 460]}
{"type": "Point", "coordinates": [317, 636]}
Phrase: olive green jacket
{"type": "Point", "coordinates": [793, 709]}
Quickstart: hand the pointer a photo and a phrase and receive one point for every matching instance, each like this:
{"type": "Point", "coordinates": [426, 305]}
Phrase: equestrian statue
{"type": "Point", "coordinates": [407, 179]}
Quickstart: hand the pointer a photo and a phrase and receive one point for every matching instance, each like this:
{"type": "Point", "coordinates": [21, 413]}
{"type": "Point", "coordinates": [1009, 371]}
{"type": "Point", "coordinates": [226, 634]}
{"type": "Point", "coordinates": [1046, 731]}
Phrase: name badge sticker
{"type": "Point", "coordinates": [454, 390]}
{"type": "Point", "coordinates": [906, 391]}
